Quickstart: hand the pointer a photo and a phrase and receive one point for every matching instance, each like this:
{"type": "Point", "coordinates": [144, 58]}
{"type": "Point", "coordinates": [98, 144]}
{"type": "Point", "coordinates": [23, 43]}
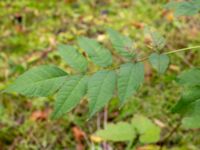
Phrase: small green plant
{"type": "Point", "coordinates": [189, 104]}
{"type": "Point", "coordinates": [100, 85]}
{"type": "Point", "coordinates": [184, 8]}
{"type": "Point", "coordinates": [23, 120]}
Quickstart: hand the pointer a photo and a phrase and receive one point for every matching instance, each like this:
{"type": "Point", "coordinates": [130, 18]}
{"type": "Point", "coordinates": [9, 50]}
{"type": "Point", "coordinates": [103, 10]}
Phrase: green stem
{"type": "Point", "coordinates": [182, 49]}
{"type": "Point", "coordinates": [129, 145]}
{"type": "Point", "coordinates": [171, 52]}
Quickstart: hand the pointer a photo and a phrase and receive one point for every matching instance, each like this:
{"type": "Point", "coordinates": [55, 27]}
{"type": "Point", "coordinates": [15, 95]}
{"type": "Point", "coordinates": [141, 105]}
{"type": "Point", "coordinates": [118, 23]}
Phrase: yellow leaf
{"type": "Point", "coordinates": [170, 16]}
{"type": "Point", "coordinates": [148, 147]}
{"type": "Point", "coordinates": [96, 139]}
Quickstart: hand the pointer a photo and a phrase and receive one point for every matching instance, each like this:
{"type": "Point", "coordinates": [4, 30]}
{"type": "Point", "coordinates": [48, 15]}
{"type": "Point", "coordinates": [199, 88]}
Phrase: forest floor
{"type": "Point", "coordinates": [29, 33]}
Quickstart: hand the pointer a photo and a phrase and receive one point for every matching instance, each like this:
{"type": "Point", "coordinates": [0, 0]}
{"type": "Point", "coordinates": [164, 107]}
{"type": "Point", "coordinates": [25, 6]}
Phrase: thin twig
{"type": "Point", "coordinates": [169, 135]}
{"type": "Point", "coordinates": [98, 121]}
{"type": "Point", "coordinates": [105, 116]}
{"type": "Point", "coordinates": [172, 132]}
{"type": "Point", "coordinates": [142, 59]}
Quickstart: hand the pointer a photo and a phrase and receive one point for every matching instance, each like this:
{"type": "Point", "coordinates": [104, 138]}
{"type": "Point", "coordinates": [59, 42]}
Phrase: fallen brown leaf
{"type": "Point", "coordinates": [78, 134]}
{"type": "Point", "coordinates": [174, 68]}
{"type": "Point", "coordinates": [138, 25]}
{"type": "Point", "coordinates": [148, 72]}
{"type": "Point", "coordinates": [159, 123]}
{"type": "Point", "coordinates": [40, 115]}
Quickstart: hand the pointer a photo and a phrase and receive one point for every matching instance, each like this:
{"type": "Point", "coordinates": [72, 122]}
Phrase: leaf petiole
{"type": "Point", "coordinates": [182, 49]}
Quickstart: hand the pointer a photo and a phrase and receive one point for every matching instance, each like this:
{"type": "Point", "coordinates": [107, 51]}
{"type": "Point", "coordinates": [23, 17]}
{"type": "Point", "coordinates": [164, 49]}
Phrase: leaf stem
{"type": "Point", "coordinates": [129, 145]}
{"type": "Point", "coordinates": [171, 52]}
{"type": "Point", "coordinates": [182, 49]}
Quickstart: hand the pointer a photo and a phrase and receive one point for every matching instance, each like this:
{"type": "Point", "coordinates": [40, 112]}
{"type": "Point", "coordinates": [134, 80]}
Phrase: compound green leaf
{"type": "Point", "coordinates": [149, 132]}
{"type": "Point", "coordinates": [159, 61]}
{"type": "Point", "coordinates": [119, 132]}
{"type": "Point", "coordinates": [100, 90]}
{"type": "Point", "coordinates": [190, 77]}
{"type": "Point", "coordinates": [122, 44]}
{"type": "Point", "coordinates": [70, 95]}
{"type": "Point", "coordinates": [184, 8]}
{"type": "Point", "coordinates": [130, 77]}
{"type": "Point", "coordinates": [73, 57]}
{"type": "Point", "coordinates": [39, 81]}
{"type": "Point", "coordinates": [98, 54]}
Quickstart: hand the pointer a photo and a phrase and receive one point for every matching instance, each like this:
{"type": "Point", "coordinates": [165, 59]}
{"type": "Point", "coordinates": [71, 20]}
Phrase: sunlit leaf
{"type": "Point", "coordinates": [121, 131]}
{"type": "Point", "coordinates": [149, 132]}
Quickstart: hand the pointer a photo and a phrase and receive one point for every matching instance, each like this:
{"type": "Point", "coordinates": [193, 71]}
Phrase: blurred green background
{"type": "Point", "coordinates": [29, 33]}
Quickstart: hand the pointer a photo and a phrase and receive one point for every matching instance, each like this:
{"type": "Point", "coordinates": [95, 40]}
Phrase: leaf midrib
{"type": "Point", "coordinates": [39, 81]}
